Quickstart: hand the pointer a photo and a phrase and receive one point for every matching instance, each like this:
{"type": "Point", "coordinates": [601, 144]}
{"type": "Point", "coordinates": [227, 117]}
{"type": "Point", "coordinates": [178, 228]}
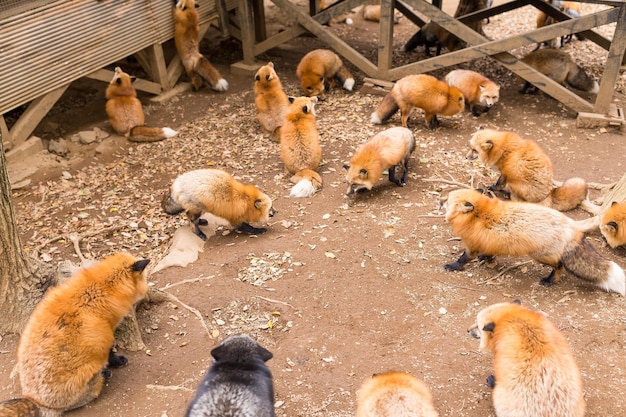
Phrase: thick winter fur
{"type": "Point", "coordinates": [479, 91]}
{"type": "Point", "coordinates": [388, 150]}
{"type": "Point", "coordinates": [561, 67]}
{"type": "Point", "coordinates": [613, 224]}
{"type": "Point", "coordinates": [125, 113]}
{"type": "Point", "coordinates": [238, 383]}
{"type": "Point", "coordinates": [319, 69]}
{"type": "Point", "coordinates": [20, 407]}
{"type": "Point", "coordinates": [371, 12]}
{"type": "Point", "coordinates": [423, 91]}
{"type": "Point", "coordinates": [300, 147]}
{"type": "Point", "coordinates": [64, 352]}
{"type": "Point", "coordinates": [396, 394]}
{"type": "Point", "coordinates": [270, 100]}
{"type": "Point", "coordinates": [186, 39]}
{"type": "Point", "coordinates": [432, 35]}
{"type": "Point", "coordinates": [525, 170]}
{"type": "Point", "coordinates": [217, 192]}
{"type": "Point", "coordinates": [491, 227]}
{"type": "Point", "coordinates": [535, 372]}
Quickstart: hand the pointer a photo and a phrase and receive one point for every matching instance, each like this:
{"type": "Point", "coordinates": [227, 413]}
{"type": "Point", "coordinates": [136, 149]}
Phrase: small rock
{"type": "Point", "coordinates": [58, 147]}
{"type": "Point", "coordinates": [100, 134]}
{"type": "Point", "coordinates": [86, 137]}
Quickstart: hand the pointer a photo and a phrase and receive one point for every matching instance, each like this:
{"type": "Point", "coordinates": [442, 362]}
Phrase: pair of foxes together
{"type": "Point", "coordinates": [65, 356]}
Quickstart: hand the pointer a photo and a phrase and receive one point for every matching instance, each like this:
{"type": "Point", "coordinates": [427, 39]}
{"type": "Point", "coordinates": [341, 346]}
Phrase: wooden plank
{"type": "Point", "coordinates": [156, 62]}
{"type": "Point", "coordinates": [615, 118]}
{"type": "Point", "coordinates": [4, 134]}
{"type": "Point", "coordinates": [139, 84]}
{"type": "Point", "coordinates": [385, 53]}
{"type": "Point", "coordinates": [408, 13]}
{"type": "Point", "coordinates": [34, 113]}
{"type": "Point", "coordinates": [247, 30]}
{"type": "Point", "coordinates": [613, 61]}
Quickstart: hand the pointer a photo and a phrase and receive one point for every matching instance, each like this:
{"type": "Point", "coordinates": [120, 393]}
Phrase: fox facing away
{"type": "Point", "coordinates": [318, 71]}
{"type": "Point", "coordinates": [396, 394]}
{"type": "Point", "coordinates": [186, 40]}
{"type": "Point", "coordinates": [491, 227]}
{"type": "Point", "coordinates": [388, 150]}
{"type": "Point", "coordinates": [300, 148]}
{"type": "Point", "coordinates": [270, 100]}
{"type": "Point", "coordinates": [64, 353]}
{"type": "Point", "coordinates": [217, 192]}
{"type": "Point", "coordinates": [126, 114]}
{"type": "Point", "coordinates": [535, 373]}
{"type": "Point", "coordinates": [423, 91]}
{"type": "Point", "coordinates": [479, 91]}
{"type": "Point", "coordinates": [525, 170]}
{"type": "Point", "coordinates": [561, 67]}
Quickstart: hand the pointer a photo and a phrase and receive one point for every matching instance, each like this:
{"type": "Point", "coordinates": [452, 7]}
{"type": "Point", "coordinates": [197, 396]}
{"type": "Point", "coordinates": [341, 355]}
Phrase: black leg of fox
{"type": "Point", "coordinates": [433, 123]}
{"type": "Point", "coordinates": [415, 40]}
{"type": "Point", "coordinates": [392, 176]}
{"type": "Point", "coordinates": [528, 86]}
{"type": "Point", "coordinates": [491, 381]}
{"type": "Point", "coordinates": [459, 263]}
{"type": "Point", "coordinates": [553, 277]}
{"type": "Point", "coordinates": [251, 230]}
{"type": "Point", "coordinates": [116, 361]}
{"type": "Point", "coordinates": [195, 219]}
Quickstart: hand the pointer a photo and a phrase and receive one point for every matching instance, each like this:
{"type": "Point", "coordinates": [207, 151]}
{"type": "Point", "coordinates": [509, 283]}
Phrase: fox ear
{"type": "Point", "coordinates": [467, 207]}
{"type": "Point", "coordinates": [487, 145]}
{"type": "Point", "coordinates": [517, 301]}
{"type": "Point", "coordinates": [363, 173]}
{"type": "Point", "coordinates": [139, 266]}
{"type": "Point", "coordinates": [132, 79]}
{"type": "Point", "coordinates": [197, 6]}
{"type": "Point", "coordinates": [489, 327]}
{"type": "Point", "coordinates": [258, 77]}
{"type": "Point", "coordinates": [611, 226]}
{"type": "Point", "coordinates": [259, 204]}
{"type": "Point", "coordinates": [346, 167]}
{"type": "Point", "coordinates": [614, 203]}
{"type": "Point", "coordinates": [265, 354]}
{"type": "Point", "coordinates": [482, 87]}
{"type": "Point", "coordinates": [118, 80]}
{"type": "Point", "coordinates": [270, 64]}
{"type": "Point", "coordinates": [218, 352]}
{"type": "Point", "coordinates": [291, 99]}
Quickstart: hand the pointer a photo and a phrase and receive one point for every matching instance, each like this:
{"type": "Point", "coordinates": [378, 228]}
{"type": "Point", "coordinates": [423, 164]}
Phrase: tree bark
{"type": "Point", "coordinates": [23, 279]}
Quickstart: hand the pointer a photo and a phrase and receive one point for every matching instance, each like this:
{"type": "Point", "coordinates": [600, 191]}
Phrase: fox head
{"type": "Point", "coordinates": [489, 94]}
{"type": "Point", "coordinates": [487, 321]}
{"type": "Point", "coordinates": [262, 210]}
{"type": "Point", "coordinates": [121, 79]}
{"type": "Point", "coordinates": [486, 144]}
{"type": "Point", "coordinates": [186, 4]}
{"type": "Point", "coordinates": [302, 105]}
{"type": "Point", "coordinates": [358, 178]}
{"type": "Point", "coordinates": [266, 74]}
{"type": "Point", "coordinates": [613, 226]}
{"type": "Point", "coordinates": [313, 84]}
{"type": "Point", "coordinates": [461, 204]}
{"type": "Point", "coordinates": [242, 349]}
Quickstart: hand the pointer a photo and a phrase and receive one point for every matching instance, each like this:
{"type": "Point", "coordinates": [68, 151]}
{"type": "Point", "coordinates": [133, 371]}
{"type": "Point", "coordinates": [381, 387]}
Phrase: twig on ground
{"type": "Point", "coordinates": [457, 286]}
{"type": "Point", "coordinates": [186, 281]}
{"type": "Point", "coordinates": [504, 271]}
{"type": "Point", "coordinates": [449, 182]}
{"type": "Point", "coordinates": [168, 387]}
{"type": "Point", "coordinates": [75, 238]}
{"type": "Point", "coordinates": [275, 301]}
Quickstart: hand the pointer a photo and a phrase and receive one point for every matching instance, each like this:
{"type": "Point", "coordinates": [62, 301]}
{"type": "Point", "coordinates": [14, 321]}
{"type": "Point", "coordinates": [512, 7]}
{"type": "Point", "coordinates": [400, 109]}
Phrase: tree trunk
{"type": "Point", "coordinates": [23, 279]}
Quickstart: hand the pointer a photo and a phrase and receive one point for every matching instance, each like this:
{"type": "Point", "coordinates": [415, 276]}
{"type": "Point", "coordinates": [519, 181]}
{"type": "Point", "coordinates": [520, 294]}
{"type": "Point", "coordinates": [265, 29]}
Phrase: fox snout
{"type": "Point", "coordinates": [474, 332]}
{"type": "Point", "coordinates": [272, 212]}
{"type": "Point", "coordinates": [471, 155]}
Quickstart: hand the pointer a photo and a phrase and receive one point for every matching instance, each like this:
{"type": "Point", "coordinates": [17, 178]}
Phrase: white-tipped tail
{"type": "Point", "coordinates": [222, 85]}
{"type": "Point", "coordinates": [304, 188]}
{"type": "Point", "coordinates": [616, 281]}
{"type": "Point", "coordinates": [348, 84]}
{"type": "Point", "coordinates": [375, 119]}
{"type": "Point", "coordinates": [349, 21]}
{"type": "Point", "coordinates": [596, 88]}
{"type": "Point", "coordinates": [169, 133]}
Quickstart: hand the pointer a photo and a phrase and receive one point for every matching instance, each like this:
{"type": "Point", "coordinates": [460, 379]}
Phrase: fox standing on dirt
{"type": "Point", "coordinates": [432, 35]}
{"type": "Point", "coordinates": [561, 67]}
{"type": "Point", "coordinates": [396, 394]}
{"type": "Point", "coordinates": [300, 147]}
{"type": "Point", "coordinates": [125, 113]}
{"type": "Point", "coordinates": [535, 373]}
{"type": "Point", "coordinates": [478, 90]}
{"type": "Point", "coordinates": [388, 150]}
{"type": "Point", "coordinates": [217, 192]}
{"type": "Point", "coordinates": [64, 353]}
{"type": "Point", "coordinates": [491, 227]}
{"type": "Point", "coordinates": [423, 91]}
{"type": "Point", "coordinates": [270, 100]}
{"type": "Point", "coordinates": [186, 39]}
{"type": "Point", "coordinates": [319, 69]}
{"type": "Point", "coordinates": [525, 170]}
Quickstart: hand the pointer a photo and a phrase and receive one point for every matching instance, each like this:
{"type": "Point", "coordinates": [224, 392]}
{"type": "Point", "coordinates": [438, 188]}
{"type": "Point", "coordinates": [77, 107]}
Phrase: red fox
{"type": "Point", "coordinates": [217, 192]}
{"type": "Point", "coordinates": [572, 9]}
{"type": "Point", "coordinates": [318, 70]}
{"type": "Point", "coordinates": [525, 170]}
{"type": "Point", "coordinates": [395, 394]}
{"type": "Point", "coordinates": [300, 147]}
{"type": "Point", "coordinates": [423, 91]}
{"type": "Point", "coordinates": [270, 100]}
{"type": "Point", "coordinates": [613, 224]}
{"type": "Point", "coordinates": [125, 113]}
{"type": "Point", "coordinates": [561, 67]}
{"type": "Point", "coordinates": [478, 90]}
{"type": "Point", "coordinates": [371, 12]}
{"type": "Point", "coordinates": [490, 227]}
{"type": "Point", "coordinates": [387, 150]}
{"type": "Point", "coordinates": [535, 373]}
{"type": "Point", "coordinates": [186, 39]}
{"type": "Point", "coordinates": [64, 353]}
{"type": "Point", "coordinates": [432, 35]}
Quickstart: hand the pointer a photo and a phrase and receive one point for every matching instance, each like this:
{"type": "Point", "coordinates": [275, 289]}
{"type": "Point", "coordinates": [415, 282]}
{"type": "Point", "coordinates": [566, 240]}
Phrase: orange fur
{"type": "Point", "coordinates": [126, 114]}
{"type": "Point", "coordinates": [300, 148]}
{"type": "Point", "coordinates": [319, 69]}
{"type": "Point", "coordinates": [491, 227]}
{"type": "Point", "coordinates": [478, 90]}
{"type": "Point", "coordinates": [186, 39]}
{"type": "Point", "coordinates": [270, 100]}
{"type": "Point", "coordinates": [423, 91]}
{"type": "Point", "coordinates": [371, 12]}
{"type": "Point", "coordinates": [525, 170]}
{"type": "Point", "coordinates": [396, 394]}
{"type": "Point", "coordinates": [64, 348]}
{"type": "Point", "coordinates": [217, 192]}
{"type": "Point", "coordinates": [613, 224]}
{"type": "Point", "coordinates": [535, 372]}
{"type": "Point", "coordinates": [387, 150]}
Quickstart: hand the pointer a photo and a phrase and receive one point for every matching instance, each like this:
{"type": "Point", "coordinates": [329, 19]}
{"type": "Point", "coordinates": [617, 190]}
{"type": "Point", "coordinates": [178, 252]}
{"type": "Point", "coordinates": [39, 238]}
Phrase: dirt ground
{"type": "Point", "coordinates": [338, 288]}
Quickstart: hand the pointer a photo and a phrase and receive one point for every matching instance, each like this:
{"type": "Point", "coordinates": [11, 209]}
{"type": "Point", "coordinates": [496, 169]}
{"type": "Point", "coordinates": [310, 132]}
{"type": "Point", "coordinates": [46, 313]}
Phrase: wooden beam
{"type": "Point", "coordinates": [139, 84]}
{"type": "Point", "coordinates": [5, 136]}
{"type": "Point", "coordinates": [385, 53]}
